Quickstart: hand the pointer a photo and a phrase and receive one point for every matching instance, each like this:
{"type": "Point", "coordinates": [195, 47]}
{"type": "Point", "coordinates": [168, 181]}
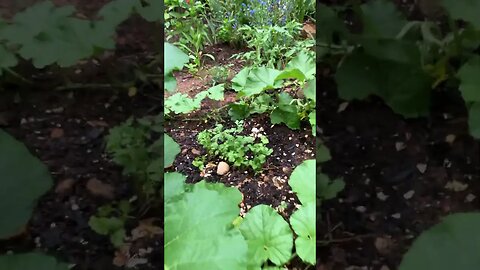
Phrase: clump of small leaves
{"type": "Point", "coordinates": [110, 220]}
{"type": "Point", "coordinates": [138, 148]}
{"type": "Point", "coordinates": [220, 74]}
{"type": "Point", "coordinates": [239, 150]}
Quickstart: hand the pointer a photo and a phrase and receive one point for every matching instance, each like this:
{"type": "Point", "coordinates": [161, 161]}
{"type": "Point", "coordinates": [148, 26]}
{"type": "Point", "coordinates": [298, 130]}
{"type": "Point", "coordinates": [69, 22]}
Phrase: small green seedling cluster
{"type": "Point", "coordinates": [239, 150]}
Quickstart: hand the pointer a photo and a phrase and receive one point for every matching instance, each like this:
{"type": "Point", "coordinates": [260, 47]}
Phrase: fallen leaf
{"type": "Point", "coordinates": [98, 188]}
{"type": "Point", "coordinates": [146, 228]}
{"type": "Point", "coordinates": [195, 151]}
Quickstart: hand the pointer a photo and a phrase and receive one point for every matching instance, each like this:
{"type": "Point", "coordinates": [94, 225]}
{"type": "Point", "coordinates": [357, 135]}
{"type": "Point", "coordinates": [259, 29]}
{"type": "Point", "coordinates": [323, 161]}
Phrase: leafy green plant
{"type": "Point", "coordinates": [272, 45]}
{"type": "Point", "coordinates": [175, 59]}
{"type": "Point", "coordinates": [262, 236]}
{"type": "Point", "coordinates": [241, 151]}
{"type": "Point", "coordinates": [451, 244]}
{"type": "Point", "coordinates": [180, 103]}
{"type": "Point", "coordinates": [136, 146]}
{"type": "Point", "coordinates": [220, 74]}
{"type": "Point", "coordinates": [197, 235]}
{"type": "Point", "coordinates": [252, 85]}
{"type": "Point", "coordinates": [110, 220]}
{"type": "Point", "coordinates": [389, 48]}
{"type": "Point", "coordinates": [199, 162]}
{"type": "Point", "coordinates": [327, 188]}
{"type": "Point", "coordinates": [19, 189]}
{"type": "Point", "coordinates": [46, 34]}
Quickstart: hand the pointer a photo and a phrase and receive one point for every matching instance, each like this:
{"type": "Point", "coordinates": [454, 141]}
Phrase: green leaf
{"type": "Point", "coordinates": [105, 225]}
{"type": "Point", "coordinates": [31, 261]}
{"type": "Point", "coordinates": [285, 112]}
{"type": "Point", "coordinates": [323, 153]}
{"type": "Point", "coordinates": [239, 81]}
{"type": "Point", "coordinates": [310, 90]}
{"type": "Point", "coordinates": [452, 244]}
{"type": "Point", "coordinates": [305, 64]}
{"type": "Point", "coordinates": [381, 19]}
{"type": "Point", "coordinates": [330, 23]}
{"type": "Point", "coordinates": [7, 59]}
{"type": "Point", "coordinates": [174, 58]}
{"type": "Point", "coordinates": [328, 189]}
{"type": "Point", "coordinates": [302, 181]}
{"type": "Point", "coordinates": [469, 75]}
{"type": "Point", "coordinates": [474, 120]}
{"type": "Point", "coordinates": [117, 11]}
{"type": "Point", "coordinates": [312, 118]}
{"type": "Point", "coordinates": [19, 188]}
{"type": "Point", "coordinates": [174, 185]}
{"type": "Point", "coordinates": [181, 103]}
{"type": "Point", "coordinates": [170, 83]}
{"type": "Point", "coordinates": [268, 236]}
{"type": "Point", "coordinates": [233, 194]}
{"type": "Point", "coordinates": [172, 149]}
{"type": "Point", "coordinates": [260, 79]}
{"type": "Point", "coordinates": [153, 11]}
{"type": "Point", "coordinates": [238, 111]}
{"type": "Point", "coordinates": [466, 10]}
{"type": "Point", "coordinates": [401, 51]}
{"type": "Point", "coordinates": [199, 236]}
{"type": "Point", "coordinates": [303, 223]}
{"type": "Point", "coordinates": [405, 88]}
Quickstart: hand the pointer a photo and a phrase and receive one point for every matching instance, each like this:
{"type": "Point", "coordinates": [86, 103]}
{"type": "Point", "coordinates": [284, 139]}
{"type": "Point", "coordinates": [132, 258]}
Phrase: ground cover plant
{"type": "Point", "coordinates": [399, 116]}
{"type": "Point", "coordinates": [78, 191]}
{"type": "Point", "coordinates": [239, 186]}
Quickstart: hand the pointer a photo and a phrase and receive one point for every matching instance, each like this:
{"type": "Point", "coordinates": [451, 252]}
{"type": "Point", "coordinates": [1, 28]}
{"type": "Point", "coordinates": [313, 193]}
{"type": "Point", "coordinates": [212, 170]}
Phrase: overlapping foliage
{"type": "Point", "coordinates": [403, 61]}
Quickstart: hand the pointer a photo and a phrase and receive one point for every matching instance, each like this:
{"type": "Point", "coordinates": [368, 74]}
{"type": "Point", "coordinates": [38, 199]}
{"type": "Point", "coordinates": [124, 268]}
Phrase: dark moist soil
{"type": "Point", "coordinates": [59, 224]}
{"type": "Point", "coordinates": [390, 198]}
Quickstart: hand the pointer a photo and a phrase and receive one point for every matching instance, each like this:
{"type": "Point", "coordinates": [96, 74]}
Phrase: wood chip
{"type": "Point", "coordinates": [64, 186]}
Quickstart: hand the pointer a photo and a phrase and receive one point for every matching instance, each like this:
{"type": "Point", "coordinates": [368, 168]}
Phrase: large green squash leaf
{"type": "Point", "coordinates": [404, 87]}
{"type": "Point", "coordinates": [303, 223]}
{"type": "Point", "coordinates": [381, 19]}
{"type": "Point", "coordinates": [302, 181]}
{"type": "Point", "coordinates": [199, 233]}
{"type": "Point", "coordinates": [171, 150]}
{"type": "Point", "coordinates": [452, 244]}
{"type": "Point", "coordinates": [268, 235]}
{"type": "Point", "coordinates": [30, 261]}
{"type": "Point", "coordinates": [260, 79]}
{"type": "Point", "coordinates": [469, 75]}
{"type": "Point", "coordinates": [174, 58]}
{"type": "Point", "coordinates": [474, 120]}
{"type": "Point", "coordinates": [23, 180]}
{"type": "Point", "coordinates": [174, 185]}
{"type": "Point", "coordinates": [466, 10]}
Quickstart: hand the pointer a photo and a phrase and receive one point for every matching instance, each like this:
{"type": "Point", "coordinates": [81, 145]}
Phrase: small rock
{"type": "Point", "coordinates": [184, 151]}
{"type": "Point", "coordinates": [381, 196]}
{"type": "Point", "coordinates": [409, 195]}
{"type": "Point", "coordinates": [342, 107]}
{"type": "Point", "coordinates": [98, 188]}
{"type": "Point", "coordinates": [222, 168]}
{"type": "Point", "coordinates": [285, 170]}
{"type": "Point", "coordinates": [195, 151]}
{"type": "Point", "coordinates": [255, 130]}
{"type": "Point", "coordinates": [384, 267]}
{"type": "Point", "coordinates": [422, 168]}
{"type": "Point", "coordinates": [400, 146]}
{"type": "Point", "coordinates": [470, 197]}
{"type": "Point", "coordinates": [456, 186]}
{"type": "Point", "coordinates": [450, 138]}
{"type": "Point", "coordinates": [361, 209]}
{"type": "Point", "coordinates": [64, 186]}
{"type": "Point", "coordinates": [396, 216]}
{"type": "Point", "coordinates": [56, 133]}
{"type": "Point", "coordinates": [383, 245]}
